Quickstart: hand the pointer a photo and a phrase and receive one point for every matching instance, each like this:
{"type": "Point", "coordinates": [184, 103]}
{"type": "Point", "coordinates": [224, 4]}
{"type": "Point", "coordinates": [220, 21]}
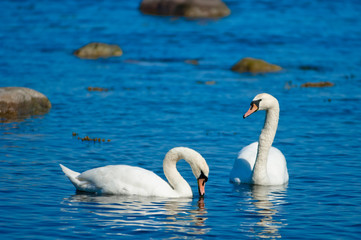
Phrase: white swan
{"type": "Point", "coordinates": [259, 163]}
{"type": "Point", "coordinates": [128, 180]}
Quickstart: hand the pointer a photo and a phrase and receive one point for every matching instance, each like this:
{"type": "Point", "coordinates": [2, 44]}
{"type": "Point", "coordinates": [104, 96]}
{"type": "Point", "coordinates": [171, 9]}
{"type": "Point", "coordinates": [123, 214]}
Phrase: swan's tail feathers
{"type": "Point", "coordinates": [79, 184]}
{"type": "Point", "coordinates": [69, 173]}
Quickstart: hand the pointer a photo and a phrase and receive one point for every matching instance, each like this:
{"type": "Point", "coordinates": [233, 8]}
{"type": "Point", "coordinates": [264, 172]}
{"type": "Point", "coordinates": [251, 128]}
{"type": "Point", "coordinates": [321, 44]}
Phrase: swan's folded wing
{"type": "Point", "coordinates": [126, 180]}
{"type": "Point", "coordinates": [243, 165]}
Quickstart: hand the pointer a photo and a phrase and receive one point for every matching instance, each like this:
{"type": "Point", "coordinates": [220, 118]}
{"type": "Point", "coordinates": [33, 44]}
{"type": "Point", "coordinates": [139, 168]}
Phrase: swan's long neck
{"type": "Point", "coordinates": [177, 182]}
{"type": "Point", "coordinates": [260, 175]}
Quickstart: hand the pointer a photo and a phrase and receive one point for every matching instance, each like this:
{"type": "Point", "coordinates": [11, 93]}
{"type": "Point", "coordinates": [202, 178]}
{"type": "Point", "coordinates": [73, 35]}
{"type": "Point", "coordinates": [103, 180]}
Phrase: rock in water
{"type": "Point", "coordinates": [20, 102]}
{"type": "Point", "coordinates": [185, 8]}
{"type": "Point", "coordinates": [98, 50]}
{"type": "Point", "coordinates": [253, 65]}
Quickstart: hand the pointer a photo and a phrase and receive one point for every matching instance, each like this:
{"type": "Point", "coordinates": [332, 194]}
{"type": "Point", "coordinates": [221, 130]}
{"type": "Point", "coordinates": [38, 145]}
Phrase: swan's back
{"type": "Point", "coordinates": [243, 166]}
{"type": "Point", "coordinates": [122, 180]}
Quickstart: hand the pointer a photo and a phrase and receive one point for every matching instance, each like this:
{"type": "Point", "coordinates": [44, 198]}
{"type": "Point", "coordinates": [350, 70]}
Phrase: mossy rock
{"type": "Point", "coordinates": [20, 102]}
{"type": "Point", "coordinates": [98, 50]}
{"type": "Point", "coordinates": [253, 65]}
{"type": "Point", "coordinates": [185, 8]}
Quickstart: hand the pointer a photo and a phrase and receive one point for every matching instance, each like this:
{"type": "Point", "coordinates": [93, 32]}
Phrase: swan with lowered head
{"type": "Point", "coordinates": [259, 163]}
{"type": "Point", "coordinates": [129, 180]}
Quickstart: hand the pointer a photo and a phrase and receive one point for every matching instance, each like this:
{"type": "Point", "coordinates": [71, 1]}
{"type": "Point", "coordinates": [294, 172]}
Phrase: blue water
{"type": "Point", "coordinates": [156, 101]}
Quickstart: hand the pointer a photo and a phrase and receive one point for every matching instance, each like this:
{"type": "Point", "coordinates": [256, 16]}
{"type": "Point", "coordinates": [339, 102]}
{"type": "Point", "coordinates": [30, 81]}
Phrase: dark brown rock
{"type": "Point", "coordinates": [253, 65]}
{"type": "Point", "coordinates": [98, 50]}
{"type": "Point", "coordinates": [19, 102]}
{"type": "Point", "coordinates": [186, 8]}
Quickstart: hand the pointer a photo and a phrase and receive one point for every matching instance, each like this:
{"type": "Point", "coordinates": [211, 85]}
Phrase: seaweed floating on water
{"type": "Point", "coordinates": [89, 139]}
{"type": "Point", "coordinates": [97, 89]}
{"type": "Point", "coordinates": [206, 82]}
{"type": "Point", "coordinates": [288, 85]}
{"type": "Point", "coordinates": [310, 68]}
{"type": "Point", "coordinates": [317, 84]}
{"type": "Point", "coordinates": [192, 61]}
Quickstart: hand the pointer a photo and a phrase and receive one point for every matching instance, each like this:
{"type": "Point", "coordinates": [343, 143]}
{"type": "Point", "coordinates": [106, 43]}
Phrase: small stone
{"type": "Point", "coordinates": [98, 50]}
{"type": "Point", "coordinates": [253, 65]}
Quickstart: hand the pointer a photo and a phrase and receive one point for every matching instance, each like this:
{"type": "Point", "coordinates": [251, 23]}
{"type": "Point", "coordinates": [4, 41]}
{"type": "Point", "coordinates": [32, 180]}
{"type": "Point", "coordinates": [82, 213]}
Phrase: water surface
{"type": "Point", "coordinates": [157, 101]}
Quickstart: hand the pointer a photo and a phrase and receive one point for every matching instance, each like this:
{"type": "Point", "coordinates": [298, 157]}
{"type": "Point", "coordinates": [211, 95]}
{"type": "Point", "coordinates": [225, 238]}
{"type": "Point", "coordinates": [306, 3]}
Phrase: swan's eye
{"type": "Point", "coordinates": [203, 176]}
{"type": "Point", "coordinates": [205, 180]}
{"type": "Point", "coordinates": [255, 102]}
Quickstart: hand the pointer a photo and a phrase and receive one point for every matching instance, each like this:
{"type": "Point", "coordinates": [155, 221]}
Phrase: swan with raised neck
{"type": "Point", "coordinates": [267, 164]}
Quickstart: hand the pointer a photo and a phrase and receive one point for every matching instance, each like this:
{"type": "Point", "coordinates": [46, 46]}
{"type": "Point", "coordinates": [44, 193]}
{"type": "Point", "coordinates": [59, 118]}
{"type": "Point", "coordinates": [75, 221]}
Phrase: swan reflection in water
{"type": "Point", "coordinates": [134, 213]}
{"type": "Point", "coordinates": [266, 204]}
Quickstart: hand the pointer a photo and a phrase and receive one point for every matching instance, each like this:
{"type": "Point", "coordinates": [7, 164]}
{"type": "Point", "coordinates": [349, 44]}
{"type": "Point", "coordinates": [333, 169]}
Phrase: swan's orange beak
{"type": "Point", "coordinates": [251, 110]}
{"type": "Point", "coordinates": [201, 186]}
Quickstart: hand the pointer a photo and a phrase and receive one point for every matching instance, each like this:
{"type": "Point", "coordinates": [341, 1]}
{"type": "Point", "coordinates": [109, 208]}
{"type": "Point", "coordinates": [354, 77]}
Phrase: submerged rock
{"type": "Point", "coordinates": [309, 68]}
{"type": "Point", "coordinates": [20, 102]}
{"type": "Point", "coordinates": [98, 50]}
{"type": "Point", "coordinates": [254, 66]}
{"type": "Point", "coordinates": [186, 8]}
{"type": "Point", "coordinates": [317, 84]}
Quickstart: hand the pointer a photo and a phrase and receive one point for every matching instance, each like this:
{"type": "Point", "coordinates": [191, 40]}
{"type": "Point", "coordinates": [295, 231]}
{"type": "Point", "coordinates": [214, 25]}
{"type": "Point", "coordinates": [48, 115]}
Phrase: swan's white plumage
{"type": "Point", "coordinates": [124, 180]}
{"type": "Point", "coordinates": [129, 180]}
{"type": "Point", "coordinates": [243, 166]}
